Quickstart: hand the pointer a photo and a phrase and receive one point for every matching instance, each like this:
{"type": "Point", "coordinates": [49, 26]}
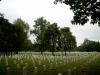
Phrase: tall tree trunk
{"type": "Point", "coordinates": [16, 52]}
{"type": "Point", "coordinates": [65, 52]}
{"type": "Point", "coordinates": [53, 50]}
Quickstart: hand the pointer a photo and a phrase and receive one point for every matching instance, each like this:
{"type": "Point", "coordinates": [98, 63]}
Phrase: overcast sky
{"type": "Point", "coordinates": [30, 10]}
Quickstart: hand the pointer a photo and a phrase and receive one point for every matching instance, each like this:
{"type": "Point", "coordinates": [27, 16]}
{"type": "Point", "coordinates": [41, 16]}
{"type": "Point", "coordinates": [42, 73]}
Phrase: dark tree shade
{"type": "Point", "coordinates": [83, 10]}
{"type": "Point", "coordinates": [13, 37]}
{"type": "Point", "coordinates": [7, 35]}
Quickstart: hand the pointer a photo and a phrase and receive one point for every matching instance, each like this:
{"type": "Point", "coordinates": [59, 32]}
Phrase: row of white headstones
{"type": "Point", "coordinates": [67, 60]}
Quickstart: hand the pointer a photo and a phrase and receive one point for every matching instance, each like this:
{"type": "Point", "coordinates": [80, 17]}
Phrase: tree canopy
{"type": "Point", "coordinates": [50, 37]}
{"type": "Point", "coordinates": [13, 37]}
{"type": "Point", "coordinates": [22, 29]}
{"type": "Point", "coordinates": [89, 45]}
{"type": "Point", "coordinates": [68, 41]}
{"type": "Point", "coordinates": [84, 10]}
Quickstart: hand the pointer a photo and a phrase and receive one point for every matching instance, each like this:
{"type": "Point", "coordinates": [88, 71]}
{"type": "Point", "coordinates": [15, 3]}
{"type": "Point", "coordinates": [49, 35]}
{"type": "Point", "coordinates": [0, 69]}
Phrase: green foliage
{"type": "Point", "coordinates": [39, 31]}
{"type": "Point", "coordinates": [13, 37]}
{"type": "Point", "coordinates": [7, 35]}
{"type": "Point", "coordinates": [22, 29]}
{"type": "Point", "coordinates": [89, 45]}
{"type": "Point", "coordinates": [68, 41]}
{"type": "Point", "coordinates": [22, 25]}
{"type": "Point", "coordinates": [50, 36]}
{"type": "Point", "coordinates": [83, 10]}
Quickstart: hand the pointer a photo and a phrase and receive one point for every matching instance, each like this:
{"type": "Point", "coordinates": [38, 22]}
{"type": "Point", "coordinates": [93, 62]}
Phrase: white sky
{"type": "Point", "coordinates": [30, 10]}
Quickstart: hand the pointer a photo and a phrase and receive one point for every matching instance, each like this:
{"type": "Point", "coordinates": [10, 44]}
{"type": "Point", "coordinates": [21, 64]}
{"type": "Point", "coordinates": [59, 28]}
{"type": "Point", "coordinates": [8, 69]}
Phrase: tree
{"type": "Point", "coordinates": [83, 10]}
{"type": "Point", "coordinates": [51, 37]}
{"type": "Point", "coordinates": [39, 30]}
{"type": "Point", "coordinates": [8, 36]}
{"type": "Point", "coordinates": [89, 45]}
{"type": "Point", "coordinates": [67, 40]}
{"type": "Point", "coordinates": [22, 29]}
{"type": "Point", "coordinates": [22, 24]}
{"type": "Point", "coordinates": [5, 33]}
{"type": "Point", "coordinates": [28, 46]}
